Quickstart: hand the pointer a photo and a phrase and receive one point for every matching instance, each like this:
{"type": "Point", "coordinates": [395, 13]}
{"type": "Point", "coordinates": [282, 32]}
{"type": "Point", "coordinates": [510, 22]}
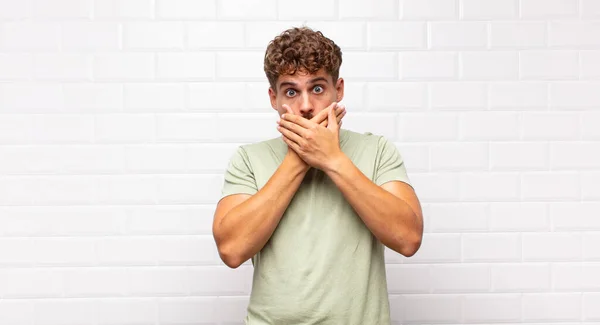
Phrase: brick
{"type": "Point", "coordinates": [186, 66]}
{"type": "Point", "coordinates": [460, 278]}
{"type": "Point", "coordinates": [64, 128]}
{"type": "Point", "coordinates": [220, 154]}
{"type": "Point", "coordinates": [157, 35]}
{"type": "Point", "coordinates": [115, 128]}
{"type": "Point", "coordinates": [258, 34]}
{"type": "Point", "coordinates": [15, 66]}
{"type": "Point", "coordinates": [215, 35]}
{"type": "Point", "coordinates": [380, 9]}
{"type": "Point", "coordinates": [574, 216]}
{"type": "Point", "coordinates": [556, 64]}
{"type": "Point", "coordinates": [497, 65]}
{"type": "Point", "coordinates": [149, 97]}
{"type": "Point", "coordinates": [169, 220]}
{"type": "Point", "coordinates": [519, 216]}
{"type": "Point", "coordinates": [247, 10]}
{"type": "Point", "coordinates": [369, 66]}
{"type": "Point", "coordinates": [134, 310]}
{"type": "Point", "coordinates": [496, 247]}
{"type": "Point", "coordinates": [520, 95]}
{"type": "Point", "coordinates": [124, 66]}
{"type": "Point", "coordinates": [62, 9]}
{"type": "Point", "coordinates": [590, 303]}
{"type": "Point", "coordinates": [161, 281]}
{"type": "Point", "coordinates": [30, 97]}
{"type": "Point", "coordinates": [590, 64]}
{"type": "Point", "coordinates": [179, 310]}
{"type": "Point", "coordinates": [185, 127]}
{"type": "Point", "coordinates": [429, 9]}
{"type": "Point", "coordinates": [32, 283]}
{"type": "Point", "coordinates": [493, 308]}
{"type": "Point", "coordinates": [574, 156]}
{"type": "Point", "coordinates": [438, 65]}
{"type": "Point", "coordinates": [589, 122]}
{"type": "Point", "coordinates": [521, 34]}
{"type": "Point", "coordinates": [404, 278]}
{"type": "Point", "coordinates": [17, 252]}
{"type": "Point", "coordinates": [104, 282]}
{"type": "Point", "coordinates": [13, 311]}
{"type": "Point", "coordinates": [62, 66]}
{"type": "Point", "coordinates": [290, 10]}
{"type": "Point", "coordinates": [348, 35]}
{"type": "Point", "coordinates": [127, 251]}
{"type": "Point", "coordinates": [489, 126]}
{"type": "Point", "coordinates": [519, 156]}
{"type": "Point", "coordinates": [521, 277]}
{"type": "Point", "coordinates": [457, 95]}
{"type": "Point", "coordinates": [155, 158]}
{"type": "Point", "coordinates": [186, 9]}
{"type": "Point", "coordinates": [567, 277]}
{"type": "Point", "coordinates": [65, 251]}
{"type": "Point", "coordinates": [243, 66]}
{"type": "Point", "coordinates": [247, 127]}
{"type": "Point", "coordinates": [574, 95]}
{"type": "Point", "coordinates": [550, 186]}
{"type": "Point", "coordinates": [93, 97]}
{"type": "Point", "coordinates": [573, 34]}
{"type": "Point", "coordinates": [15, 10]}
{"type": "Point", "coordinates": [590, 9]}
{"type": "Point", "coordinates": [437, 248]}
{"type": "Point", "coordinates": [224, 280]}
{"type": "Point", "coordinates": [124, 9]}
{"type": "Point", "coordinates": [64, 311]}
{"type": "Point", "coordinates": [187, 250]}
{"type": "Point", "coordinates": [407, 35]}
{"type": "Point", "coordinates": [188, 189]}
{"type": "Point", "coordinates": [591, 246]}
{"type": "Point", "coordinates": [90, 36]}
{"type": "Point", "coordinates": [380, 124]}
{"type": "Point", "coordinates": [126, 189]}
{"type": "Point", "coordinates": [474, 156]}
{"type": "Point", "coordinates": [433, 308]}
{"type": "Point", "coordinates": [216, 96]}
{"type": "Point", "coordinates": [232, 309]}
{"type": "Point", "coordinates": [441, 126]}
{"type": "Point", "coordinates": [489, 9]}
{"type": "Point", "coordinates": [549, 9]}
{"type": "Point", "coordinates": [550, 307]}
{"type": "Point", "coordinates": [439, 187]}
{"type": "Point", "coordinates": [552, 247]}
{"type": "Point", "coordinates": [408, 96]}
{"type": "Point", "coordinates": [72, 190]}
{"type": "Point", "coordinates": [458, 35]}
{"type": "Point", "coordinates": [30, 36]}
{"type": "Point", "coordinates": [590, 185]}
{"type": "Point", "coordinates": [458, 217]}
{"type": "Point", "coordinates": [550, 126]}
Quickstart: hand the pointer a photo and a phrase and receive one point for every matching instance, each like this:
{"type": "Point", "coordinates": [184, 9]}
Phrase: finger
{"type": "Point", "coordinates": [299, 121]}
{"type": "Point", "coordinates": [289, 134]}
{"type": "Point", "coordinates": [293, 145]}
{"type": "Point", "coordinates": [331, 121]}
{"type": "Point", "coordinates": [322, 115]}
{"type": "Point", "coordinates": [341, 116]}
{"type": "Point", "coordinates": [293, 127]}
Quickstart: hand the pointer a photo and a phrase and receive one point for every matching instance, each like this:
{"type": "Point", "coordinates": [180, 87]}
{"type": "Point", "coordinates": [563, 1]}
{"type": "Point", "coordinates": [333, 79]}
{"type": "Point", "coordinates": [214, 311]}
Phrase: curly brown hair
{"type": "Point", "coordinates": [301, 48]}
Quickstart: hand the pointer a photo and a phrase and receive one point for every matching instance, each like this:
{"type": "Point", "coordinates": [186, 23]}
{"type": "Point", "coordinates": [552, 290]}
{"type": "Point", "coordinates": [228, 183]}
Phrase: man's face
{"type": "Point", "coordinates": [306, 94]}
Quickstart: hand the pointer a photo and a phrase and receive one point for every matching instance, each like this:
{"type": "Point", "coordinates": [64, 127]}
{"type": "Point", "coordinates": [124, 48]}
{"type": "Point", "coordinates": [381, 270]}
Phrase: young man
{"type": "Point", "coordinates": [314, 207]}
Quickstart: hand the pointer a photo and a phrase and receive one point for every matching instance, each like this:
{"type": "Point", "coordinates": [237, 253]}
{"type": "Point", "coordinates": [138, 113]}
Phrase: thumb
{"type": "Point", "coordinates": [331, 120]}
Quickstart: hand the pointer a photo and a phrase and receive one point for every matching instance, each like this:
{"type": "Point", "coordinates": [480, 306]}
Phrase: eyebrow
{"type": "Point", "coordinates": [293, 84]}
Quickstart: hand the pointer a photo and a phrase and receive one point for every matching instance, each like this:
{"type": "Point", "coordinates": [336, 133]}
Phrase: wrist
{"type": "Point", "coordinates": [336, 164]}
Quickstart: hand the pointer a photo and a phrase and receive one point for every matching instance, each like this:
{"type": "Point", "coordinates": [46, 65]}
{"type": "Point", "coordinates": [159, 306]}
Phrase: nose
{"type": "Point", "coordinates": [306, 106]}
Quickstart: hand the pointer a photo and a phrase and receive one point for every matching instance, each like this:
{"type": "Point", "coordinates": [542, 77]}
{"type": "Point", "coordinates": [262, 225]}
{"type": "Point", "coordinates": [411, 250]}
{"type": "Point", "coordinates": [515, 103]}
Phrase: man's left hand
{"type": "Point", "coordinates": [318, 146]}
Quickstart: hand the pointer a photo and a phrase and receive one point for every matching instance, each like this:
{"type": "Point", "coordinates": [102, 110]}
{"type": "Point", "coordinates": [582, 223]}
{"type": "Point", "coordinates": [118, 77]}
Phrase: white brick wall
{"type": "Point", "coordinates": [118, 117]}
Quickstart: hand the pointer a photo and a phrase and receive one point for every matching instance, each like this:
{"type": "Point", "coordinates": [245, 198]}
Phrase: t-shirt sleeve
{"type": "Point", "coordinates": [239, 178]}
{"type": "Point", "coordinates": [390, 164]}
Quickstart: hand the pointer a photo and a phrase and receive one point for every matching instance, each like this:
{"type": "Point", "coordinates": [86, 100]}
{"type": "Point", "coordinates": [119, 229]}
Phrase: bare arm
{"type": "Point", "coordinates": [243, 224]}
{"type": "Point", "coordinates": [392, 211]}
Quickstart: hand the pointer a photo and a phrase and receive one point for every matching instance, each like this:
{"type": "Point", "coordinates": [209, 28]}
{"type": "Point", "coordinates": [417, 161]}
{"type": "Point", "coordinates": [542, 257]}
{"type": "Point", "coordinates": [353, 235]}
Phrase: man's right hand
{"type": "Point", "coordinates": [321, 118]}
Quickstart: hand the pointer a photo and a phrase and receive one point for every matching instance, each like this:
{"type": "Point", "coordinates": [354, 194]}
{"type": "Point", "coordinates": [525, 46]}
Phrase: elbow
{"type": "Point", "coordinates": [229, 257]}
{"type": "Point", "coordinates": [411, 246]}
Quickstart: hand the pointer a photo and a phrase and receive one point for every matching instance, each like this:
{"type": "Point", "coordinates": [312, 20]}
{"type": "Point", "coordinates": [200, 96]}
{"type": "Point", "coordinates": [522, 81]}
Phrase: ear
{"type": "Point", "coordinates": [339, 87]}
{"type": "Point", "coordinates": [273, 98]}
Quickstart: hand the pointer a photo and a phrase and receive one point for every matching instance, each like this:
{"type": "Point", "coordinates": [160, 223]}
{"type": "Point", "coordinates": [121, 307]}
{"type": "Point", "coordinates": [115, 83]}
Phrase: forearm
{"type": "Point", "coordinates": [387, 216]}
{"type": "Point", "coordinates": [246, 228]}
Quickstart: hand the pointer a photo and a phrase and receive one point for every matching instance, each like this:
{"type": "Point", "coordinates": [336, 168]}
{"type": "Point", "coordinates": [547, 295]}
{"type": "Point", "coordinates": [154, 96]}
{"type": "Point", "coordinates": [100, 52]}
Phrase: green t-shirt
{"type": "Point", "coordinates": [322, 265]}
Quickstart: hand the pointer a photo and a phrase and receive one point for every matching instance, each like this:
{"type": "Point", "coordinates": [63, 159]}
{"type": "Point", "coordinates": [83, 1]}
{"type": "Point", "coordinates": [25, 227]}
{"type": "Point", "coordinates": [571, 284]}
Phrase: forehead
{"type": "Point", "coordinates": [302, 78]}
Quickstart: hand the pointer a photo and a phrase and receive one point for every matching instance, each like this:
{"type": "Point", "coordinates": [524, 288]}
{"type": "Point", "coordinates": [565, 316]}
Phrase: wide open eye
{"type": "Point", "coordinates": [318, 89]}
{"type": "Point", "coordinates": [290, 92]}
